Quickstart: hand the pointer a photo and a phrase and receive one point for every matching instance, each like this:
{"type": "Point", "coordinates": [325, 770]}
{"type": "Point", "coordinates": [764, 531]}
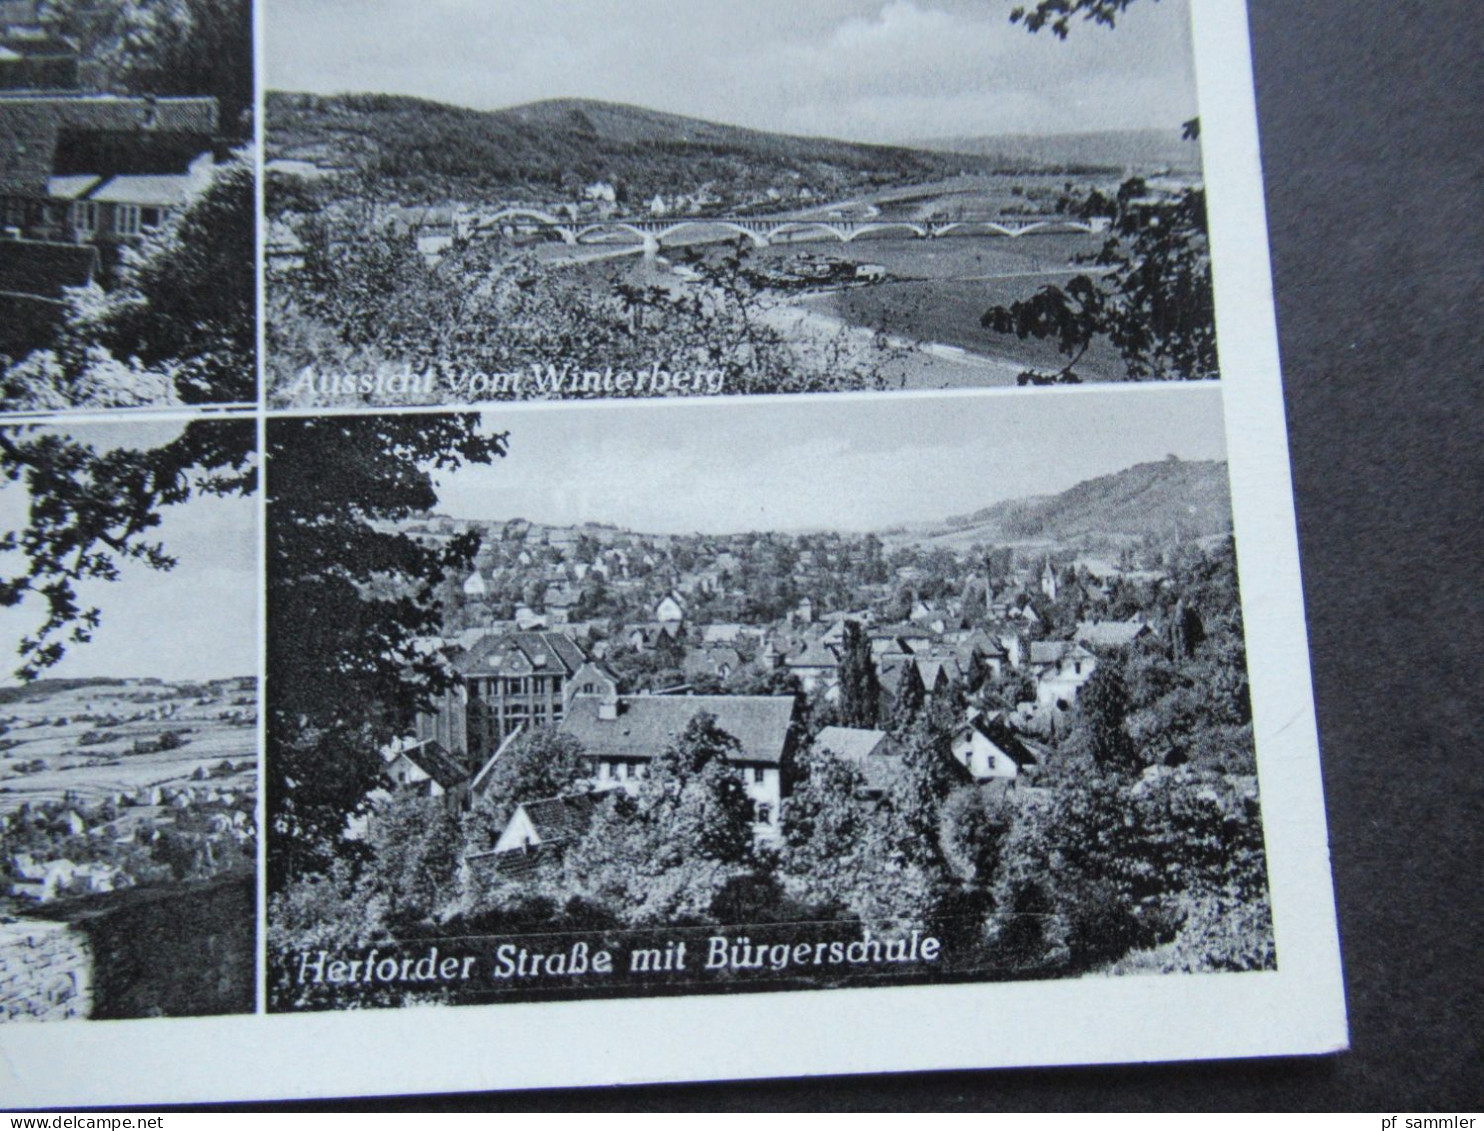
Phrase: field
{"type": "Point", "coordinates": [933, 293]}
{"type": "Point", "coordinates": [45, 759]}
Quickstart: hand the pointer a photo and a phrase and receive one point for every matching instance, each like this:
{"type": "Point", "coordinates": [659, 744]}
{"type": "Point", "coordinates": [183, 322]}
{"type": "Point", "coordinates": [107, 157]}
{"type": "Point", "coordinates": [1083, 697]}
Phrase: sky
{"type": "Point", "coordinates": [833, 464]}
{"type": "Point", "coordinates": [861, 70]}
{"type": "Point", "coordinates": [198, 621]}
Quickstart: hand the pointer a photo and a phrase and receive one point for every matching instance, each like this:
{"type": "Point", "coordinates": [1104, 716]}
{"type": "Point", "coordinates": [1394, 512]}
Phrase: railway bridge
{"type": "Point", "coordinates": [655, 232]}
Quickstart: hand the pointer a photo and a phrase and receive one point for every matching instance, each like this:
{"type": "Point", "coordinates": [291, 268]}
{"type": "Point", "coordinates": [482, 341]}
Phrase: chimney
{"type": "Point", "coordinates": [608, 707]}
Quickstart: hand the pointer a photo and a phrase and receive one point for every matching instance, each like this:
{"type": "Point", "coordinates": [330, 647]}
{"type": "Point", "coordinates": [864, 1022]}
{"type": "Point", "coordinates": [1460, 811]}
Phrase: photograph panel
{"type": "Point", "coordinates": [707, 698]}
{"type": "Point", "coordinates": [128, 215]}
{"type": "Point", "coordinates": [647, 200]}
{"type": "Point", "coordinates": [129, 611]}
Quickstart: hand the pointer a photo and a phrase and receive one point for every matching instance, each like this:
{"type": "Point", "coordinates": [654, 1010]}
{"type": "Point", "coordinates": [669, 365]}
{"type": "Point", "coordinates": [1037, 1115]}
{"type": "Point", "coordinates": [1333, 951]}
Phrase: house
{"type": "Point", "coordinates": [1060, 669]}
{"type": "Point", "coordinates": [623, 735]}
{"type": "Point", "coordinates": [989, 750]}
{"type": "Point", "coordinates": [506, 679]}
{"type": "Point", "coordinates": [101, 168]}
{"type": "Point", "coordinates": [32, 55]}
{"type": "Point", "coordinates": [41, 881]}
{"type": "Point", "coordinates": [715, 661]}
{"type": "Point", "coordinates": [553, 822]}
{"type": "Point", "coordinates": [723, 633]}
{"type": "Point", "coordinates": [426, 768]}
{"type": "Point", "coordinates": [670, 610]}
{"type": "Point", "coordinates": [816, 667]}
{"type": "Point", "coordinates": [475, 588]}
{"type": "Point", "coordinates": [873, 752]}
{"type": "Point", "coordinates": [1112, 634]}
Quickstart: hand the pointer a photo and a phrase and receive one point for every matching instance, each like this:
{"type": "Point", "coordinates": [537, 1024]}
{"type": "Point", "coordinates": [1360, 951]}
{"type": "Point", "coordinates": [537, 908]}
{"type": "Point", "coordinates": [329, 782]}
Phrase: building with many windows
{"type": "Point", "coordinates": [622, 735]}
{"type": "Point", "coordinates": [508, 681]}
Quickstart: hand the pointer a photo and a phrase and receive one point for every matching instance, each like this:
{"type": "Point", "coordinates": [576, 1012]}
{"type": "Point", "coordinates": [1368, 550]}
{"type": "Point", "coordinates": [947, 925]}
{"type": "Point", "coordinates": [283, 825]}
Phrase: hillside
{"type": "Point", "coordinates": [428, 150]}
{"type": "Point", "coordinates": [1140, 150]}
{"type": "Point", "coordinates": [1188, 498]}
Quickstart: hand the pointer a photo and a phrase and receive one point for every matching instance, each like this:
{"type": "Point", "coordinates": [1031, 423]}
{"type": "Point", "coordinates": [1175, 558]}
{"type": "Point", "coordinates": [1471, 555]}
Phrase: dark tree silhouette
{"type": "Point", "coordinates": [348, 603]}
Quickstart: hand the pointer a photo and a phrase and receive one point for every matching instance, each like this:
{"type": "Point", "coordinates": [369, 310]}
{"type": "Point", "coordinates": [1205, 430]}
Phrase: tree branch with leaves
{"type": "Point", "coordinates": [90, 511]}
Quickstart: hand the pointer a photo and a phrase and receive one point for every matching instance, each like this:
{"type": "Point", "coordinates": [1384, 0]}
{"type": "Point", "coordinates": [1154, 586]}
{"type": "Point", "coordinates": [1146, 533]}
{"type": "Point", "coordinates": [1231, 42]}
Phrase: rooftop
{"type": "Point", "coordinates": [647, 724]}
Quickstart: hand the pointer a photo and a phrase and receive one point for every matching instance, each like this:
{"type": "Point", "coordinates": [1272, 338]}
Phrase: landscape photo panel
{"type": "Point", "coordinates": [129, 602]}
{"type": "Point", "coordinates": [128, 205]}
{"type": "Point", "coordinates": [659, 200]}
{"type": "Point", "coordinates": [794, 696]}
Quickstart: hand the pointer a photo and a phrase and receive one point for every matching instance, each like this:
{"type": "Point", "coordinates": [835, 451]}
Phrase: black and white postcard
{"type": "Point", "coordinates": [663, 200]}
{"type": "Point", "coordinates": [127, 204]}
{"type": "Point", "coordinates": [128, 720]}
{"type": "Point", "coordinates": [801, 698]}
{"type": "Point", "coordinates": [774, 555]}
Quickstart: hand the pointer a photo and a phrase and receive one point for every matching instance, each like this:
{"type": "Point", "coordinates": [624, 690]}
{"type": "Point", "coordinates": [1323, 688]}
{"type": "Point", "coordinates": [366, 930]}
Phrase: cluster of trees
{"type": "Point", "coordinates": [193, 847]}
{"type": "Point", "coordinates": [366, 299]}
{"type": "Point", "coordinates": [177, 326]}
{"type": "Point", "coordinates": [1152, 298]}
{"type": "Point", "coordinates": [415, 151]}
{"type": "Point", "coordinates": [165, 47]}
{"type": "Point", "coordinates": [1107, 867]}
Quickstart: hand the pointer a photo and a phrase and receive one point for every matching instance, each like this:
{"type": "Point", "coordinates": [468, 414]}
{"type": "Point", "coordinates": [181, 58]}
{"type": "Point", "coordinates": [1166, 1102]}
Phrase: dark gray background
{"type": "Point", "coordinates": [1370, 114]}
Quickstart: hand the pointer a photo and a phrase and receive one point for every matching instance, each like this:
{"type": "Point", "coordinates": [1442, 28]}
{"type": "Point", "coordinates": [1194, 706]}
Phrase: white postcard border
{"type": "Point", "coordinates": [1299, 1009]}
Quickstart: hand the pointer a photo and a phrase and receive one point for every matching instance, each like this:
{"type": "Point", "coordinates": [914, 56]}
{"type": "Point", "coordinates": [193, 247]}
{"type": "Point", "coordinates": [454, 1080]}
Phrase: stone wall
{"type": "Point", "coordinates": [46, 972]}
{"type": "Point", "coordinates": [186, 950]}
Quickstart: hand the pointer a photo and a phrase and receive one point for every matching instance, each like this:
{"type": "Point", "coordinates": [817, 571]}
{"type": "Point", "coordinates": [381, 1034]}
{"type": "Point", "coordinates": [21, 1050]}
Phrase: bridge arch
{"type": "Point", "coordinates": [811, 226]}
{"type": "Point", "coordinates": [615, 226]}
{"type": "Point", "coordinates": [885, 226]}
{"type": "Point", "coordinates": [526, 214]}
{"type": "Point", "coordinates": [758, 240]}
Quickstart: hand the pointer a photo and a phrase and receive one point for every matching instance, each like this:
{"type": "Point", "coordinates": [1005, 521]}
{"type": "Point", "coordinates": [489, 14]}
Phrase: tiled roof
{"type": "Point", "coordinates": [814, 655]}
{"type": "Point", "coordinates": [436, 762]}
{"type": "Point", "coordinates": [647, 724]}
{"type": "Point", "coordinates": [32, 127]}
{"type": "Point", "coordinates": [849, 742]}
{"type": "Point", "coordinates": [156, 190]}
{"type": "Point", "coordinates": [558, 819]}
{"type": "Point", "coordinates": [866, 750]}
{"type": "Point", "coordinates": [71, 187]}
{"type": "Point", "coordinates": [522, 653]}
{"type": "Point", "coordinates": [1110, 633]}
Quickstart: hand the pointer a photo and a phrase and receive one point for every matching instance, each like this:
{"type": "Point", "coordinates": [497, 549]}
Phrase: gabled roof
{"type": "Point", "coordinates": [159, 190]}
{"type": "Point", "coordinates": [849, 742]}
{"type": "Point", "coordinates": [558, 819]}
{"type": "Point", "coordinates": [1055, 651]}
{"type": "Point", "coordinates": [869, 751]}
{"type": "Point", "coordinates": [647, 724]}
{"type": "Point", "coordinates": [522, 653]}
{"type": "Point", "coordinates": [434, 761]}
{"type": "Point", "coordinates": [46, 134]}
{"type": "Point", "coordinates": [814, 655]}
{"type": "Point", "coordinates": [1110, 633]}
{"type": "Point", "coordinates": [42, 269]}
{"type": "Point", "coordinates": [994, 728]}
{"type": "Point", "coordinates": [72, 187]}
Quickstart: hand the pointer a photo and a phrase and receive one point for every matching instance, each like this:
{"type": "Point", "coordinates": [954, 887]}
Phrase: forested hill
{"type": "Point", "coordinates": [1191, 499]}
{"type": "Point", "coordinates": [1143, 151]}
{"type": "Point", "coordinates": [434, 151]}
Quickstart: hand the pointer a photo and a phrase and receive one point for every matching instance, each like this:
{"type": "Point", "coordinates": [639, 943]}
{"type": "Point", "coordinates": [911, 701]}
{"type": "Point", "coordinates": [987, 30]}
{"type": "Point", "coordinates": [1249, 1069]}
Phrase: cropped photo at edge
{"type": "Point", "coordinates": [129, 600]}
{"type": "Point", "coordinates": [128, 214]}
{"type": "Point", "coordinates": [684, 200]}
{"type": "Point", "coordinates": [790, 695]}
